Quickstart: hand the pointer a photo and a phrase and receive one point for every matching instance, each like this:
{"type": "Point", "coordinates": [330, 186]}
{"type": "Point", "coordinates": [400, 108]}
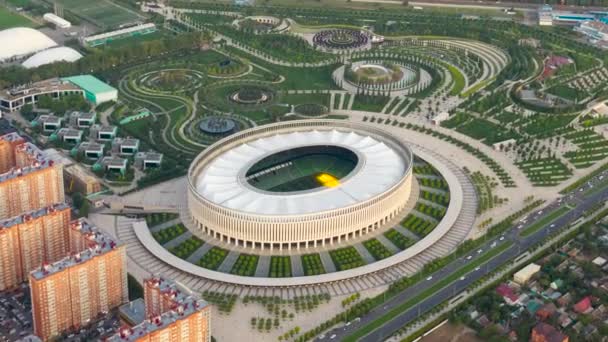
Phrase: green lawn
{"type": "Point", "coordinates": [545, 221]}
{"type": "Point", "coordinates": [458, 78]}
{"type": "Point", "coordinates": [135, 39]}
{"type": "Point", "coordinates": [9, 19]}
{"type": "Point", "coordinates": [102, 12]}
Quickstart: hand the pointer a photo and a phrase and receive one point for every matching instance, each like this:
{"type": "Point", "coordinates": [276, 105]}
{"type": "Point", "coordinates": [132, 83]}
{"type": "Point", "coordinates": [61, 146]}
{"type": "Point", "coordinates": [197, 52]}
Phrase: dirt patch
{"type": "Point", "coordinates": [452, 333]}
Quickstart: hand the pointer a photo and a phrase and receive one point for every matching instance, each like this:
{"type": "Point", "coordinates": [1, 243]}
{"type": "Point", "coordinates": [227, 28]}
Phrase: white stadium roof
{"type": "Point", "coordinates": [20, 41]}
{"type": "Point", "coordinates": [222, 181]}
{"type": "Point", "coordinates": [52, 55]}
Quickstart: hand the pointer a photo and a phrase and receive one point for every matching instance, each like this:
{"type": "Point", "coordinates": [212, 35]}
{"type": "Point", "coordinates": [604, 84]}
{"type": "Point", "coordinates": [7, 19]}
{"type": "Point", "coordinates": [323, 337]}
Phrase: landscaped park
{"type": "Point", "coordinates": [501, 117]}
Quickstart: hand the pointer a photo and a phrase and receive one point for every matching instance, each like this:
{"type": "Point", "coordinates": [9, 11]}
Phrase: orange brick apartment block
{"type": "Point", "coordinates": [28, 180]}
{"type": "Point", "coordinates": [73, 291]}
{"type": "Point", "coordinates": [29, 240]}
{"type": "Point", "coordinates": [173, 315]}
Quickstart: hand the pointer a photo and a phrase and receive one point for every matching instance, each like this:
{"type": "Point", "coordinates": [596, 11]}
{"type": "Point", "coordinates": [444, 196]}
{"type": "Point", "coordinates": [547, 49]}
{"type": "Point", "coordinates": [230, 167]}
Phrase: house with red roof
{"type": "Point", "coordinates": [583, 306]}
{"type": "Point", "coordinates": [544, 332]}
{"type": "Point", "coordinates": [507, 293]}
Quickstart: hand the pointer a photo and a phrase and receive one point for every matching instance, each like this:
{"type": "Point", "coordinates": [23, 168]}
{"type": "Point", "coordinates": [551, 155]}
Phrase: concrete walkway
{"type": "Point", "coordinates": [178, 240]}
{"type": "Point", "coordinates": [263, 266]}
{"type": "Point", "coordinates": [164, 225]}
{"type": "Point", "coordinates": [198, 254]}
{"type": "Point", "coordinates": [368, 258]}
{"type": "Point", "coordinates": [226, 266]}
{"type": "Point", "coordinates": [387, 243]}
{"type": "Point", "coordinates": [297, 269]}
{"type": "Point", "coordinates": [406, 232]}
{"type": "Point", "coordinates": [328, 264]}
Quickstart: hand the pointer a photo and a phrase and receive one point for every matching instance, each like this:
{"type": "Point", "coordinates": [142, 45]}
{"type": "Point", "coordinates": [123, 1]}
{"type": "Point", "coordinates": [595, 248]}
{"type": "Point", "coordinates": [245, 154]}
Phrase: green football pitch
{"type": "Point", "coordinates": [9, 19]}
{"type": "Point", "coordinates": [103, 13]}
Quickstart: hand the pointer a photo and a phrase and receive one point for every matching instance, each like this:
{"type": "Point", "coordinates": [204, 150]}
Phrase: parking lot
{"type": "Point", "coordinates": [15, 314]}
{"type": "Point", "coordinates": [16, 320]}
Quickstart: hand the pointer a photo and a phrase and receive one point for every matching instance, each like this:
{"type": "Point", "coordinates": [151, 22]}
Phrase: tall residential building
{"type": "Point", "coordinates": [73, 291]}
{"type": "Point", "coordinates": [29, 240]}
{"type": "Point", "coordinates": [8, 143]}
{"type": "Point", "coordinates": [29, 181]}
{"type": "Point", "coordinates": [173, 314]}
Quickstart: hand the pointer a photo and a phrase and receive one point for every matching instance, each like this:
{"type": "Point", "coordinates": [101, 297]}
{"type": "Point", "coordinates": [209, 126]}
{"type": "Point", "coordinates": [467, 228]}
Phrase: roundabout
{"type": "Point", "coordinates": [404, 75]}
{"type": "Point", "coordinates": [171, 80]}
{"type": "Point", "coordinates": [239, 96]}
{"type": "Point", "coordinates": [341, 39]}
{"type": "Point", "coordinates": [250, 95]}
{"type": "Point", "coordinates": [217, 125]}
{"type": "Point", "coordinates": [310, 110]}
{"type": "Point", "coordinates": [382, 75]}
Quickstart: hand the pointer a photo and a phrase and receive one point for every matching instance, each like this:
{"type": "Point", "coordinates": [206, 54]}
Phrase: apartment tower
{"type": "Point", "coordinates": [30, 240]}
{"type": "Point", "coordinates": [71, 292]}
{"type": "Point", "coordinates": [28, 180]}
{"type": "Point", "coordinates": [174, 315]}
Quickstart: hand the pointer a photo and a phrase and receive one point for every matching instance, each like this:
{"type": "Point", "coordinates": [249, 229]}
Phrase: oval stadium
{"type": "Point", "coordinates": [299, 184]}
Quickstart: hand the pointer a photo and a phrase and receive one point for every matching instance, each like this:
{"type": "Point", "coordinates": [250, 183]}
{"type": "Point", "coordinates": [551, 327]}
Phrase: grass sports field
{"type": "Point", "coordinates": [9, 19]}
{"type": "Point", "coordinates": [103, 13]}
{"type": "Point", "coordinates": [304, 172]}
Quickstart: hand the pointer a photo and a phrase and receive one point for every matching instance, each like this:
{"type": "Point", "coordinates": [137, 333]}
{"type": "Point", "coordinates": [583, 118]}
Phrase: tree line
{"type": "Point", "coordinates": [102, 59]}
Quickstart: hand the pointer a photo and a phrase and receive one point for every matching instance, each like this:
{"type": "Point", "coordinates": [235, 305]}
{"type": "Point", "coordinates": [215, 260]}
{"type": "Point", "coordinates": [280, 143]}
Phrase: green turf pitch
{"type": "Point", "coordinates": [9, 19]}
{"type": "Point", "coordinates": [103, 13]}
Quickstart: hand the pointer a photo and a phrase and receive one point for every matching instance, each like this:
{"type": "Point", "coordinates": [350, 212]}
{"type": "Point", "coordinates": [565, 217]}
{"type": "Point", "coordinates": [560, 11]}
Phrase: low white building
{"type": "Point", "coordinates": [599, 110]}
{"type": "Point", "coordinates": [525, 274]}
{"type": "Point", "coordinates": [545, 16]}
{"type": "Point", "coordinates": [595, 30]}
{"type": "Point", "coordinates": [52, 55]}
{"type": "Point", "coordinates": [599, 261]}
{"type": "Point", "coordinates": [56, 20]}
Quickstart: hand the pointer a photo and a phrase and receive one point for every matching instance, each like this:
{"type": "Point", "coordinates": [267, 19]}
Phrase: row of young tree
{"type": "Point", "coordinates": [103, 59]}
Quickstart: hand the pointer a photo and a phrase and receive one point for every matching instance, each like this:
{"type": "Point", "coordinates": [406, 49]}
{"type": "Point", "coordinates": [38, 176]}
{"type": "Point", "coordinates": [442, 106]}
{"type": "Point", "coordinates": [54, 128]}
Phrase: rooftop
{"type": "Point", "coordinates": [149, 156]}
{"type": "Point", "coordinates": [91, 146]}
{"type": "Point", "coordinates": [98, 244]}
{"type": "Point", "coordinates": [69, 132]}
{"type": "Point", "coordinates": [53, 84]}
{"type": "Point", "coordinates": [13, 221]}
{"type": "Point", "coordinates": [596, 25]}
{"type": "Point", "coordinates": [126, 142]}
{"type": "Point", "coordinates": [133, 312]}
{"type": "Point", "coordinates": [379, 167]}
{"type": "Point", "coordinates": [90, 83]}
{"type": "Point", "coordinates": [83, 115]}
{"type": "Point", "coordinates": [51, 119]}
{"type": "Point", "coordinates": [549, 333]}
{"type": "Point", "coordinates": [113, 161]}
{"type": "Point", "coordinates": [103, 128]}
{"type": "Point", "coordinates": [21, 41]}
{"type": "Point", "coordinates": [52, 55]}
{"type": "Point", "coordinates": [58, 157]}
{"type": "Point", "coordinates": [185, 305]}
{"type": "Point", "coordinates": [11, 137]}
{"type": "Point", "coordinates": [40, 160]}
{"type": "Point", "coordinates": [119, 32]}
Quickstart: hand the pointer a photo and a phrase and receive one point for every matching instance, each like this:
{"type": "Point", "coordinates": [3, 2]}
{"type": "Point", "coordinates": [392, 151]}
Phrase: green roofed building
{"type": "Point", "coordinates": [95, 90]}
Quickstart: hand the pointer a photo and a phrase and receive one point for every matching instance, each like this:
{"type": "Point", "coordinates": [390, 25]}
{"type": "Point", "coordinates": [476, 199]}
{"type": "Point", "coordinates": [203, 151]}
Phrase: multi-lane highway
{"type": "Point", "coordinates": [580, 200]}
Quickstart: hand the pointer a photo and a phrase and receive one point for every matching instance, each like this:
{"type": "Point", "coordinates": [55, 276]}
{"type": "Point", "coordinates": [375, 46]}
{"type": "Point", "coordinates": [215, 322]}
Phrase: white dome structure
{"type": "Point", "coordinates": [22, 41]}
{"type": "Point", "coordinates": [52, 55]}
{"type": "Point", "coordinates": [252, 188]}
